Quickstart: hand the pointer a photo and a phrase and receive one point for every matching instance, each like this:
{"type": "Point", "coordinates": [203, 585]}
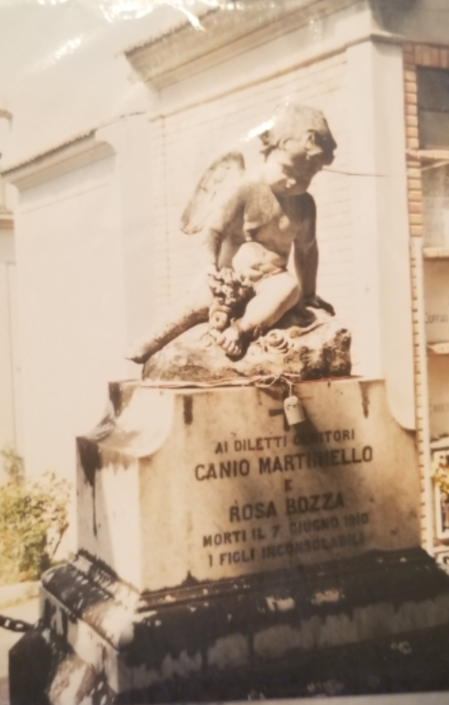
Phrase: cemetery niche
{"type": "Point", "coordinates": [248, 510]}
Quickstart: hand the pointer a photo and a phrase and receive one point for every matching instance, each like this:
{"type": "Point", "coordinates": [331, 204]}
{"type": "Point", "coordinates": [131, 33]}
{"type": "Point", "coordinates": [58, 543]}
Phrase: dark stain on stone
{"type": "Point", "coordinates": [47, 614]}
{"type": "Point", "coordinates": [190, 581]}
{"type": "Point", "coordinates": [97, 566]}
{"type": "Point", "coordinates": [90, 458]}
{"type": "Point", "coordinates": [65, 624]}
{"type": "Point", "coordinates": [195, 625]}
{"type": "Point", "coordinates": [31, 667]}
{"type": "Point", "coordinates": [116, 397]}
{"type": "Point", "coordinates": [251, 650]}
{"type": "Point", "coordinates": [361, 668]}
{"type": "Point", "coordinates": [115, 456]}
{"type": "Point", "coordinates": [120, 394]}
{"type": "Point", "coordinates": [80, 597]}
{"type": "Point", "coordinates": [188, 409]}
{"type": "Point", "coordinates": [364, 389]}
{"type": "Point", "coordinates": [100, 571]}
{"type": "Point", "coordinates": [386, 578]}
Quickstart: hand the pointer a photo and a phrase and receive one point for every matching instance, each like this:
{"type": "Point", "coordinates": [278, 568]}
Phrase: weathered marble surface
{"type": "Point", "coordinates": [319, 349]}
{"type": "Point", "coordinates": [365, 625]}
{"type": "Point", "coordinates": [185, 486]}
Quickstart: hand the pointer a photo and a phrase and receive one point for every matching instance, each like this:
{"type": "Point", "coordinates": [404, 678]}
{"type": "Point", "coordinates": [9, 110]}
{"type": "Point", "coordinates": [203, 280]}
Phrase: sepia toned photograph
{"type": "Point", "coordinates": [224, 351]}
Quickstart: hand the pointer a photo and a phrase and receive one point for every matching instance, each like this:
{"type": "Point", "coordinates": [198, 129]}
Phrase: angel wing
{"type": "Point", "coordinates": [212, 191]}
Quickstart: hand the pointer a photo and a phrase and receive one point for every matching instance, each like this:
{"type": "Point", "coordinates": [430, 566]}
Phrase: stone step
{"type": "Point", "coordinates": [371, 624]}
{"type": "Point", "coordinates": [325, 619]}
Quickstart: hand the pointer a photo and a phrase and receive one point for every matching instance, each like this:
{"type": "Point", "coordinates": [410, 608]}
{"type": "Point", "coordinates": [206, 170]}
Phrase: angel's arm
{"type": "Point", "coordinates": [213, 247]}
{"type": "Point", "coordinates": [306, 256]}
{"type": "Point", "coordinates": [306, 248]}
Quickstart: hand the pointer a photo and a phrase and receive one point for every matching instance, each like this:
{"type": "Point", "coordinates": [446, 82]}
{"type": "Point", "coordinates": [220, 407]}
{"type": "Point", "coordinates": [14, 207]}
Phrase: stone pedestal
{"type": "Point", "coordinates": [185, 486]}
{"type": "Point", "coordinates": [220, 549]}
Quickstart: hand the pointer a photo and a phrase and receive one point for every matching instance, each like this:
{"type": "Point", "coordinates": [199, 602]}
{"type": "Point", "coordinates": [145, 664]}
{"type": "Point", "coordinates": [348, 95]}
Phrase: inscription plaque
{"type": "Point", "coordinates": [226, 489]}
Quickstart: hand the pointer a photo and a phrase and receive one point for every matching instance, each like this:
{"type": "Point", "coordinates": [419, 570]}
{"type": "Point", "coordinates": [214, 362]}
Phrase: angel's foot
{"type": "Point", "coordinates": [316, 301]}
{"type": "Point", "coordinates": [305, 316]}
{"type": "Point", "coordinates": [232, 340]}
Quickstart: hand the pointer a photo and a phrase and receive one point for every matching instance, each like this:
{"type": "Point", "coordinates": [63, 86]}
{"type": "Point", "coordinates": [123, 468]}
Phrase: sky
{"type": "Point", "coordinates": [62, 69]}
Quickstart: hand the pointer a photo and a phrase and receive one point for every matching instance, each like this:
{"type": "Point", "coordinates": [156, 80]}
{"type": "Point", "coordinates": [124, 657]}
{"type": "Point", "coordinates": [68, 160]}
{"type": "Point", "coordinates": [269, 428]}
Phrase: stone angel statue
{"type": "Point", "coordinates": [253, 210]}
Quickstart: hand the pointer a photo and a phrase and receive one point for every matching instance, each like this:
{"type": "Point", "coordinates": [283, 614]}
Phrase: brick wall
{"type": "Point", "coordinates": [418, 55]}
{"type": "Point", "coordinates": [187, 142]}
{"type": "Point", "coordinates": [436, 57]}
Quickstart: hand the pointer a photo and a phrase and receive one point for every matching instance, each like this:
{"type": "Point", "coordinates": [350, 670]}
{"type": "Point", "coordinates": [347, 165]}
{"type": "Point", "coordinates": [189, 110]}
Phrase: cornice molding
{"type": "Point", "coordinates": [67, 157]}
{"type": "Point", "coordinates": [186, 51]}
{"type": "Point", "coordinates": [373, 37]}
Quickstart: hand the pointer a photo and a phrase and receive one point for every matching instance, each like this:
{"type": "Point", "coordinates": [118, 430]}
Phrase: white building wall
{"type": "Point", "coordinates": [72, 310]}
{"type": "Point", "coordinates": [85, 282]}
{"type": "Point", "coordinates": [382, 291]}
{"type": "Point", "coordinates": [10, 416]}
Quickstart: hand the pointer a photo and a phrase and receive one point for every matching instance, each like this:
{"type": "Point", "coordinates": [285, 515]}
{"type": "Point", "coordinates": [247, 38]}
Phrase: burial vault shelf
{"type": "Point", "coordinates": [436, 253]}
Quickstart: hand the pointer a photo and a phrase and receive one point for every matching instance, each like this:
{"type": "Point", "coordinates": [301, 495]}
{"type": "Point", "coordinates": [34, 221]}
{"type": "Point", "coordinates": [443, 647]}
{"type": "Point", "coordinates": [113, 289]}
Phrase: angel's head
{"type": "Point", "coordinates": [296, 146]}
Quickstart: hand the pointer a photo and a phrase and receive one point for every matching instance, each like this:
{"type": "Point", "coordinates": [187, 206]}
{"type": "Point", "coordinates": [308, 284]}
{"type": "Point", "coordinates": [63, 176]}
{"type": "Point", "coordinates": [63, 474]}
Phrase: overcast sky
{"type": "Point", "coordinates": [61, 68]}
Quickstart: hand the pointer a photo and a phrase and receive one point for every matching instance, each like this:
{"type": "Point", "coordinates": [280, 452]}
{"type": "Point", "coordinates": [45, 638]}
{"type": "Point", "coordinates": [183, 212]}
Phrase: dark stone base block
{"type": "Point", "coordinates": [374, 624]}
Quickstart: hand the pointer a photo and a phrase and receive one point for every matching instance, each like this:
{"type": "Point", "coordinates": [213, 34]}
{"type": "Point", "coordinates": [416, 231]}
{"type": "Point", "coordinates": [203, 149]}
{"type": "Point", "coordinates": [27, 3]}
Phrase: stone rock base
{"type": "Point", "coordinates": [315, 350]}
{"type": "Point", "coordinates": [372, 624]}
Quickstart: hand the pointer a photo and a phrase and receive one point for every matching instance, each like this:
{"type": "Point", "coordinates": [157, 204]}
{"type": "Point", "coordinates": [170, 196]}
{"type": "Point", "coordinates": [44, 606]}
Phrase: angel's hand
{"type": "Point", "coordinates": [315, 301]}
